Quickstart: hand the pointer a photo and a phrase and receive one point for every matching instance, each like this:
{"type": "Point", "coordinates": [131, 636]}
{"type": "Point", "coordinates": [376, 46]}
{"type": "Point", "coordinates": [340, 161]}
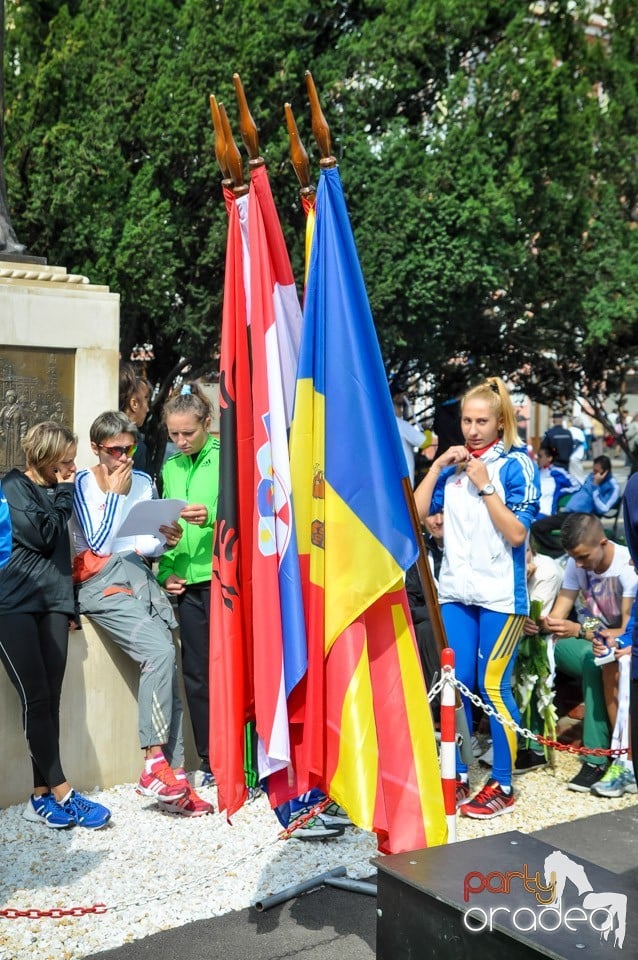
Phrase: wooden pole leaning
{"type": "Point", "coordinates": [434, 610]}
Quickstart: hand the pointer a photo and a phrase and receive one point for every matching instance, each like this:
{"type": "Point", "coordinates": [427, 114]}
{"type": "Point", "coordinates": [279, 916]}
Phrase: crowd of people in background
{"type": "Point", "coordinates": [520, 556]}
{"type": "Point", "coordinates": [572, 598]}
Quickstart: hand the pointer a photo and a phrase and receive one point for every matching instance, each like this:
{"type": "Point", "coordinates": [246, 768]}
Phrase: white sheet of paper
{"type": "Point", "coordinates": [147, 516]}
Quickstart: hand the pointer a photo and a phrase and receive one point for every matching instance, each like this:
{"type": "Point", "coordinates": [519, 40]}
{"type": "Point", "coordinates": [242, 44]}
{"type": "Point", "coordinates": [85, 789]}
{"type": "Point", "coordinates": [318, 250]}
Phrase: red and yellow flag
{"type": "Point", "coordinates": [364, 730]}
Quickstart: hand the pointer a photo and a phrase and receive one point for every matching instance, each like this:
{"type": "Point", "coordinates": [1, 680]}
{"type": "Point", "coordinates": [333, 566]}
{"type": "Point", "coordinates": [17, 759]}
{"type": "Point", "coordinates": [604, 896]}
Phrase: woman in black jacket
{"type": "Point", "coordinates": [36, 604]}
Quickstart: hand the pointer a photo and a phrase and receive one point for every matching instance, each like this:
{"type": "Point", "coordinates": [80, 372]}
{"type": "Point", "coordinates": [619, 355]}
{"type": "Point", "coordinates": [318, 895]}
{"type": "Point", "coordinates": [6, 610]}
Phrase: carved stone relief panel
{"type": "Point", "coordinates": [36, 384]}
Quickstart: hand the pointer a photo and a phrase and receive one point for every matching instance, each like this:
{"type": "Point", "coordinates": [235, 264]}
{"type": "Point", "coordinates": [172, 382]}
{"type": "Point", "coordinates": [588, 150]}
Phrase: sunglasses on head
{"type": "Point", "coordinates": [117, 451]}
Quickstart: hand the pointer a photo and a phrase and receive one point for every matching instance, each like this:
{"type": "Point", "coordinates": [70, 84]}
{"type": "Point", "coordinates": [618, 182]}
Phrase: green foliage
{"type": "Point", "coordinates": [488, 156]}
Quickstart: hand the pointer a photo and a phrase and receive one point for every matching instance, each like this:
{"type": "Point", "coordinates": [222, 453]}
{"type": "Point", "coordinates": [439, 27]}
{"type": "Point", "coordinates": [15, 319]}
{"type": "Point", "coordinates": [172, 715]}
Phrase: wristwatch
{"type": "Point", "coordinates": [487, 490]}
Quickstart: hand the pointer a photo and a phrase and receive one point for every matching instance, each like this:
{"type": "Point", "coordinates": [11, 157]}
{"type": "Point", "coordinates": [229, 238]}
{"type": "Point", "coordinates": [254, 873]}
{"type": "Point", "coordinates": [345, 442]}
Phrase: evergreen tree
{"type": "Point", "coordinates": [487, 149]}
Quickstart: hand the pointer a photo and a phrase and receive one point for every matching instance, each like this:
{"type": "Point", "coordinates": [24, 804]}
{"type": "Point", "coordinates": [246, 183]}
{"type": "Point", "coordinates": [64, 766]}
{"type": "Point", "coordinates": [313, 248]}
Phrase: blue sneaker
{"type": "Point", "coordinates": [47, 810]}
{"type": "Point", "coordinates": [618, 779]}
{"type": "Point", "coordinates": [86, 813]}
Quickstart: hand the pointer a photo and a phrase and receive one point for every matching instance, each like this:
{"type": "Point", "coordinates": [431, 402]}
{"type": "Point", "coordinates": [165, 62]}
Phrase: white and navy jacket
{"type": "Point", "coordinates": [480, 568]}
{"type": "Point", "coordinates": [97, 517]}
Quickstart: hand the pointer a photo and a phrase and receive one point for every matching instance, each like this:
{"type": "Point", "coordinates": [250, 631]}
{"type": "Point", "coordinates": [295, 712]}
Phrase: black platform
{"type": "Point", "coordinates": [455, 902]}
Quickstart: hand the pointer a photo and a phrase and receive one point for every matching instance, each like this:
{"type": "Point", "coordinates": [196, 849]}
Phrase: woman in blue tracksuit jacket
{"type": "Point", "coordinates": [489, 492]}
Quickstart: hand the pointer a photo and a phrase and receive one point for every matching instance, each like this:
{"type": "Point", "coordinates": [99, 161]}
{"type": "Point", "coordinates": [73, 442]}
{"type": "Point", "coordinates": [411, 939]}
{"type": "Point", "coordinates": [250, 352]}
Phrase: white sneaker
{"type": "Point", "coordinates": [315, 829]}
{"type": "Point", "coordinates": [334, 815]}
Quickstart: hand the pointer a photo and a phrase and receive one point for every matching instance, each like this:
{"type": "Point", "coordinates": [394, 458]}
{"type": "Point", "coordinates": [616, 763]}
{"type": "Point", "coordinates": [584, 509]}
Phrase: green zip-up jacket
{"type": "Point", "coordinates": [197, 482]}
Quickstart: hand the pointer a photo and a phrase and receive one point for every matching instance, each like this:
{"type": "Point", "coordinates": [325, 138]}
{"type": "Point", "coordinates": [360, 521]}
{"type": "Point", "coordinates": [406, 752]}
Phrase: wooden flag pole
{"type": "Point", "coordinates": [247, 126]}
{"type": "Point", "coordinates": [299, 155]}
{"type": "Point", "coordinates": [434, 610]}
{"type": "Point", "coordinates": [233, 156]}
{"type": "Point", "coordinates": [320, 128]}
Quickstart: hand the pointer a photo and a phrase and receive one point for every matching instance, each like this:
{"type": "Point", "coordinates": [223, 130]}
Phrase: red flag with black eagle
{"type": "Point", "coordinates": [231, 642]}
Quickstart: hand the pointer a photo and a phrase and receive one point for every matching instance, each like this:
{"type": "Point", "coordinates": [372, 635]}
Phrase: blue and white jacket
{"type": "Point", "coordinates": [97, 517]}
{"type": "Point", "coordinates": [480, 568]}
{"type": "Point", "coordinates": [595, 498]}
{"type": "Point", "coordinates": [555, 483]}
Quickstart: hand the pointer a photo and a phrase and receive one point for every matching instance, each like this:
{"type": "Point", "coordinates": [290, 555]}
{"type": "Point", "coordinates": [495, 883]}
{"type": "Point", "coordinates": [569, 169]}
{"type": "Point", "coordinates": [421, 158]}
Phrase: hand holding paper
{"type": "Point", "coordinates": [147, 517]}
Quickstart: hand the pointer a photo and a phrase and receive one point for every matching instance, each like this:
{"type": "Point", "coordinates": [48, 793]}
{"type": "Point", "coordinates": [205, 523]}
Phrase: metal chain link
{"type": "Point", "coordinates": [305, 818]}
{"type": "Point", "coordinates": [9, 913]}
{"type": "Point", "coordinates": [523, 731]}
{"type": "Point", "coordinates": [436, 688]}
{"type": "Point", "coordinates": [195, 882]}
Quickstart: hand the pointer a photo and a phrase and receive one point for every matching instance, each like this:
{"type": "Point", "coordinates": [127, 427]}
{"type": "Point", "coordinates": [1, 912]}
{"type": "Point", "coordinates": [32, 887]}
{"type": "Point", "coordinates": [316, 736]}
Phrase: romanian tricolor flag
{"type": "Point", "coordinates": [367, 737]}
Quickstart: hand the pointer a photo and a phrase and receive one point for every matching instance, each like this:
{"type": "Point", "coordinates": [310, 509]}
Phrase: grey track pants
{"type": "Point", "coordinates": [125, 599]}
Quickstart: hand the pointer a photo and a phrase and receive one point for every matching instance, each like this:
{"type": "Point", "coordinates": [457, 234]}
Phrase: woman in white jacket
{"type": "Point", "coordinates": [489, 491]}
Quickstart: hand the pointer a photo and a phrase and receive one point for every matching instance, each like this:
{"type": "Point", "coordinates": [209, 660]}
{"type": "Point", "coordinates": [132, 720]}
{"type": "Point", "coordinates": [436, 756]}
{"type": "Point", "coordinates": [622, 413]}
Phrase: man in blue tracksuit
{"type": "Point", "coordinates": [598, 494]}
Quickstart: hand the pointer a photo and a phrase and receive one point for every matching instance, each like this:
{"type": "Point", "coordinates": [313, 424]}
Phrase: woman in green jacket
{"type": "Point", "coordinates": [185, 572]}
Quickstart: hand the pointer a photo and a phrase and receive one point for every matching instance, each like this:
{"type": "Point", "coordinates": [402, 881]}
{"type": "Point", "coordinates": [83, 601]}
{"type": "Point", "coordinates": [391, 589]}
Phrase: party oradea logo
{"type": "Point", "coordinates": [604, 912]}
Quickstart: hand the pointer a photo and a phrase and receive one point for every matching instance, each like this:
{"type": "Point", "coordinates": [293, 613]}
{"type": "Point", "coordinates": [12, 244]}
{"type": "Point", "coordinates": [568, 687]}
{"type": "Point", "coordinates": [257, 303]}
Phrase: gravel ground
{"type": "Point", "coordinates": [154, 871]}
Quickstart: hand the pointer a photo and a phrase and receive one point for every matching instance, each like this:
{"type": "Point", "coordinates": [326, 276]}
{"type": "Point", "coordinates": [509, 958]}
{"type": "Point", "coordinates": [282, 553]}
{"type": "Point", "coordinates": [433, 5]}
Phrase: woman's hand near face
{"type": "Point", "coordinates": [64, 472]}
{"type": "Point", "coordinates": [119, 480]}
{"type": "Point", "coordinates": [477, 472]}
{"type": "Point", "coordinates": [452, 455]}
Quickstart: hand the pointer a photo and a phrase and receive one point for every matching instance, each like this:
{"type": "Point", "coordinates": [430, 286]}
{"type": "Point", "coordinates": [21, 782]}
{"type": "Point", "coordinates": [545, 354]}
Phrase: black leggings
{"type": "Point", "coordinates": [33, 649]}
{"type": "Point", "coordinates": [194, 629]}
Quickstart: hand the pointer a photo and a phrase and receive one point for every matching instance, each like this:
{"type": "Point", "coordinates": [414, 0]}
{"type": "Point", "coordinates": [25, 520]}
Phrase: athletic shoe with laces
{"type": "Point", "coordinates": [590, 774]}
{"type": "Point", "coordinates": [462, 791]}
{"type": "Point", "coordinates": [528, 760]}
{"type": "Point", "coordinates": [618, 779]}
{"type": "Point", "coordinates": [491, 801]}
{"type": "Point", "coordinates": [316, 829]}
{"type": "Point", "coordinates": [47, 810]}
{"type": "Point", "coordinates": [161, 781]}
{"type": "Point", "coordinates": [190, 805]}
{"type": "Point", "coordinates": [334, 814]}
{"type": "Point", "coordinates": [87, 813]}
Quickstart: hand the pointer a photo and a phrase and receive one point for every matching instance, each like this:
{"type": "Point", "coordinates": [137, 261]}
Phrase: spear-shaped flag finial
{"type": "Point", "coordinates": [233, 156]}
{"type": "Point", "coordinates": [298, 154]}
{"type": "Point", "coordinates": [320, 127]}
{"type": "Point", "coordinates": [247, 126]}
{"type": "Point", "coordinates": [220, 141]}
